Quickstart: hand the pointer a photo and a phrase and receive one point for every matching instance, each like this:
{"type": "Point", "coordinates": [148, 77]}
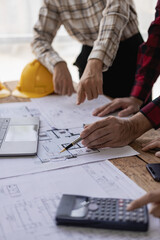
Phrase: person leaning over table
{"type": "Point", "coordinates": [109, 34]}
{"type": "Point", "coordinates": [148, 70]}
{"type": "Point", "coordinates": [116, 132]}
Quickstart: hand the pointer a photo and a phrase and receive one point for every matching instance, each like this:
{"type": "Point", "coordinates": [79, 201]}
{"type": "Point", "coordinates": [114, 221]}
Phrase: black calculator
{"type": "Point", "coordinates": [108, 213]}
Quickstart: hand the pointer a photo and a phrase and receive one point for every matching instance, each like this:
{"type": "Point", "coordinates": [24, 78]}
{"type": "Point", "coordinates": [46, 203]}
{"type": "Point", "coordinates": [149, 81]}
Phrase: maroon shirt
{"type": "Point", "coordinates": [148, 70]}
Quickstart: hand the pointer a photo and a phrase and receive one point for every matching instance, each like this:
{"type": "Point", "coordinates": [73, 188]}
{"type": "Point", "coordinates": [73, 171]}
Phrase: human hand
{"type": "Point", "coordinates": [108, 132]}
{"type": "Point", "coordinates": [62, 80]}
{"type": "Point", "coordinates": [129, 105]}
{"type": "Point", "coordinates": [90, 85]}
{"type": "Point", "coordinates": [114, 132]}
{"type": "Point", "coordinates": [151, 197]}
{"type": "Point", "coordinates": [154, 144]}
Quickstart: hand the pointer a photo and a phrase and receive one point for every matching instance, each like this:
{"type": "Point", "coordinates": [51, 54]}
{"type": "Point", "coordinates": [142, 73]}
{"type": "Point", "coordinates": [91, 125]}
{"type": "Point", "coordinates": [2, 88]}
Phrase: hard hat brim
{"type": "Point", "coordinates": [17, 93]}
{"type": "Point", "coordinates": [4, 92]}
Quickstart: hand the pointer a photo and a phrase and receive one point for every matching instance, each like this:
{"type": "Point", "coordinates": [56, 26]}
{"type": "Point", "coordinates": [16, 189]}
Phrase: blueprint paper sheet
{"type": "Point", "coordinates": [28, 203]}
{"type": "Point", "coordinates": [62, 111]}
{"type": "Point", "coordinates": [52, 140]}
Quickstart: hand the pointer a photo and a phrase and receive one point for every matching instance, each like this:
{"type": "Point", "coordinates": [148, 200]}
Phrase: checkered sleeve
{"type": "Point", "coordinates": [148, 64]}
{"type": "Point", "coordinates": [152, 112]}
{"type": "Point", "coordinates": [115, 18]}
{"type": "Point", "coordinates": [44, 32]}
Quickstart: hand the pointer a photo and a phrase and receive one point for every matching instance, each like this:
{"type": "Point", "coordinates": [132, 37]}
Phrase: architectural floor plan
{"type": "Point", "coordinates": [51, 142]}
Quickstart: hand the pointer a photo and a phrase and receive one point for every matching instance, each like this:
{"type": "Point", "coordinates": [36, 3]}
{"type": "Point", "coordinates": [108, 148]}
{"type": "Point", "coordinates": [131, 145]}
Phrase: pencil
{"type": "Point", "coordinates": [71, 144]}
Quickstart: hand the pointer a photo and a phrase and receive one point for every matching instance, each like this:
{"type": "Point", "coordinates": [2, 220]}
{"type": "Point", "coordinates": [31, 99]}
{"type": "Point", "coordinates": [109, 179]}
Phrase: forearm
{"type": "Point", "coordinates": [138, 125]}
{"type": "Point", "coordinates": [115, 18]}
{"type": "Point", "coordinates": [45, 53]}
{"type": "Point", "coordinates": [95, 64]}
{"type": "Point", "coordinates": [44, 32]}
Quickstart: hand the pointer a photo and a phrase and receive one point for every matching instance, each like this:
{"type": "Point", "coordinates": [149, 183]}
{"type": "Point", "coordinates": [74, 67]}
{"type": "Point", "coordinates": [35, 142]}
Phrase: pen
{"type": "Point", "coordinates": [71, 144]}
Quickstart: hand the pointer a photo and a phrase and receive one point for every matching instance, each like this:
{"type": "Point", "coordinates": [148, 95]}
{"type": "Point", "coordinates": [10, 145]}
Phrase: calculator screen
{"type": "Point", "coordinates": [80, 207]}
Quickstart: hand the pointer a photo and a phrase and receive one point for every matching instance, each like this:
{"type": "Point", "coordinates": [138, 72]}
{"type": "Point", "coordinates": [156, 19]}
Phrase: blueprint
{"type": "Point", "coordinates": [28, 204]}
{"type": "Point", "coordinates": [62, 111]}
{"type": "Point", "coordinates": [51, 141]}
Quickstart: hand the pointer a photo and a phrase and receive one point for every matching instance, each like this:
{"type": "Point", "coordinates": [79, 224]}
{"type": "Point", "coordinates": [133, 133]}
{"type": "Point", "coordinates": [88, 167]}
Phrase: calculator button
{"type": "Point", "coordinates": [93, 206]}
{"type": "Point", "coordinates": [88, 217]}
{"type": "Point", "coordinates": [120, 209]}
{"type": "Point", "coordinates": [140, 220]}
{"type": "Point", "coordinates": [120, 218]}
{"type": "Point", "coordinates": [134, 213]}
{"type": "Point", "coordinates": [127, 218]}
{"type": "Point", "coordinates": [141, 214]}
{"type": "Point", "coordinates": [140, 210]}
{"type": "Point", "coordinates": [127, 214]}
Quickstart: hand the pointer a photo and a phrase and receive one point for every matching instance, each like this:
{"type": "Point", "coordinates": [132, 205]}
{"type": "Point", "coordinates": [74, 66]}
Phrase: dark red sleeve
{"type": "Point", "coordinates": [152, 112]}
{"type": "Point", "coordinates": [148, 63]}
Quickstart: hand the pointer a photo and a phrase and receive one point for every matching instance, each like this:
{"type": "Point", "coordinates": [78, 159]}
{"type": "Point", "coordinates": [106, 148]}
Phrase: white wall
{"type": "Point", "coordinates": [17, 18]}
{"type": "Point", "coordinates": [146, 11]}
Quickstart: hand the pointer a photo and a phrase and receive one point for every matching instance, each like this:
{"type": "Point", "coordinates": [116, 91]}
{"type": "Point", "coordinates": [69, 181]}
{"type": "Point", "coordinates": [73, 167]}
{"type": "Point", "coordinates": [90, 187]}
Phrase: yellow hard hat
{"type": "Point", "coordinates": [36, 81]}
{"type": "Point", "coordinates": [4, 92]}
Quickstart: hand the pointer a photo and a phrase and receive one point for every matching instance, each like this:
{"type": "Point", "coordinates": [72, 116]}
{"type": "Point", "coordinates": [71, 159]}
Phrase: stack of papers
{"type": "Point", "coordinates": [29, 201]}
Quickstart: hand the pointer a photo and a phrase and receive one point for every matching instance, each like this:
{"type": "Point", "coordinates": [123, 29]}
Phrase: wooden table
{"type": "Point", "coordinates": [134, 167]}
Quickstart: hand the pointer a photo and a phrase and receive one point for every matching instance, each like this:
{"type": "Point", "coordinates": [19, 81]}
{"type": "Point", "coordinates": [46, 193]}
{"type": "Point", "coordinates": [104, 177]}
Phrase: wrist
{"type": "Point", "coordinates": [59, 64]}
{"type": "Point", "coordinates": [138, 125]}
{"type": "Point", "coordinates": [137, 101]}
{"type": "Point", "coordinates": [96, 63]}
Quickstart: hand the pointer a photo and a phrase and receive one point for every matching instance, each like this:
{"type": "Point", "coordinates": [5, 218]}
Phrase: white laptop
{"type": "Point", "coordinates": [19, 136]}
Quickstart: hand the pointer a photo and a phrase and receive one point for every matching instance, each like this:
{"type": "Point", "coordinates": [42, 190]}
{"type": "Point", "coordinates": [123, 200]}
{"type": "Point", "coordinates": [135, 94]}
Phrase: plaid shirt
{"type": "Point", "coordinates": [98, 23]}
{"type": "Point", "coordinates": [152, 112]}
{"type": "Point", "coordinates": [148, 70]}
